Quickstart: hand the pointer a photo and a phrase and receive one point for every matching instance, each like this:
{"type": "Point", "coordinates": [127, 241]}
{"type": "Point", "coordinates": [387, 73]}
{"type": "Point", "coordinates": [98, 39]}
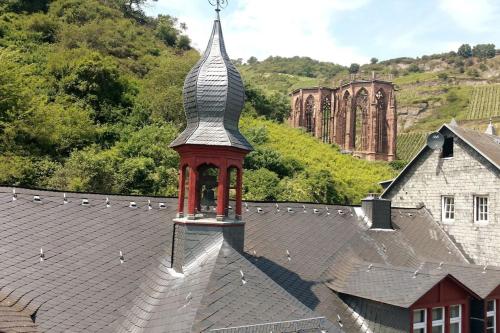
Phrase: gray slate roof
{"type": "Point", "coordinates": [320, 242]}
{"type": "Point", "coordinates": [81, 286]}
{"type": "Point", "coordinates": [213, 99]}
{"type": "Point", "coordinates": [482, 280]}
{"type": "Point", "coordinates": [295, 265]}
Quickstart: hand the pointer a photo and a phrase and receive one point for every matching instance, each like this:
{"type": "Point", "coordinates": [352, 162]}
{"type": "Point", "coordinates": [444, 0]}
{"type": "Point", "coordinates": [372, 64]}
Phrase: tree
{"type": "Point", "coordinates": [373, 61]}
{"type": "Point", "coordinates": [465, 51]}
{"type": "Point", "coordinates": [252, 60]}
{"type": "Point", "coordinates": [261, 184]}
{"type": "Point", "coordinates": [354, 68]}
{"type": "Point", "coordinates": [166, 30]}
{"type": "Point", "coordinates": [484, 51]}
{"type": "Point", "coordinates": [413, 68]}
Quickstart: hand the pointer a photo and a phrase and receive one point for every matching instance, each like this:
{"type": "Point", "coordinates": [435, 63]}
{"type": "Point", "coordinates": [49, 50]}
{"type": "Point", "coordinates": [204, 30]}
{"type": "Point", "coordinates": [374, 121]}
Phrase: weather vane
{"type": "Point", "coordinates": [219, 4]}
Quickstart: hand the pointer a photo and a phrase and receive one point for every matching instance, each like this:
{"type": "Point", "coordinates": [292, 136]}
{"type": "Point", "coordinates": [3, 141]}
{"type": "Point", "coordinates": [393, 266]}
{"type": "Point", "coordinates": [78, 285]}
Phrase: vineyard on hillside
{"type": "Point", "coordinates": [409, 144]}
{"type": "Point", "coordinates": [485, 102]}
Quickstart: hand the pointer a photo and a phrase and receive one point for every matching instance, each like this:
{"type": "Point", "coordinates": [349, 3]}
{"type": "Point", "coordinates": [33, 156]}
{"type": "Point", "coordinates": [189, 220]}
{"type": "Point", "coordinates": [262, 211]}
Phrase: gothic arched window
{"type": "Point", "coordinates": [361, 120]}
{"type": "Point", "coordinates": [327, 107]}
{"type": "Point", "coordinates": [309, 114]}
{"type": "Point", "coordinates": [381, 106]}
{"type": "Point", "coordinates": [340, 120]}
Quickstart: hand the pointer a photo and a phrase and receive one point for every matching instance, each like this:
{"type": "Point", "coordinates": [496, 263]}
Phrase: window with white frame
{"type": "Point", "coordinates": [448, 208]}
{"type": "Point", "coordinates": [480, 208]}
{"type": "Point", "coordinates": [491, 320]}
{"type": "Point", "coordinates": [455, 319]}
{"type": "Point", "coordinates": [438, 320]}
{"type": "Point", "coordinates": [420, 321]}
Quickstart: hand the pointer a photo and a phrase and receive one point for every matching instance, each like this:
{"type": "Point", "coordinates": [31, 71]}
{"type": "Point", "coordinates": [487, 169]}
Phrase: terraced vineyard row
{"type": "Point", "coordinates": [485, 102]}
{"type": "Point", "coordinates": [409, 144]}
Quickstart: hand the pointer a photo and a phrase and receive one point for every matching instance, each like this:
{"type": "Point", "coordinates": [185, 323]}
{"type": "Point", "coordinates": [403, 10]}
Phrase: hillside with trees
{"type": "Point", "coordinates": [91, 97]}
{"type": "Point", "coordinates": [463, 84]}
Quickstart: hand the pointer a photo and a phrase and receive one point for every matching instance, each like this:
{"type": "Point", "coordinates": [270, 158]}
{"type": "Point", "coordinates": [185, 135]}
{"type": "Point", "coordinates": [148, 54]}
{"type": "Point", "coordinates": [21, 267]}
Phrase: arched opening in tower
{"type": "Point", "coordinates": [206, 189]}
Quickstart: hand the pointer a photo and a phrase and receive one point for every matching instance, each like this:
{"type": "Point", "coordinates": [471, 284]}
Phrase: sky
{"type": "Point", "coordinates": [339, 31]}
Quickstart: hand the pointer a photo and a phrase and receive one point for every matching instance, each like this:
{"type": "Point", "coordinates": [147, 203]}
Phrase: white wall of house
{"type": "Point", "coordinates": [465, 175]}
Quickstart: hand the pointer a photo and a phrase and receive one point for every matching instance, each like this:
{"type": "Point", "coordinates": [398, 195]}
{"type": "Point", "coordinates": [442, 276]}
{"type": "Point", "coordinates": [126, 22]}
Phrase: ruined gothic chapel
{"type": "Point", "coordinates": [359, 116]}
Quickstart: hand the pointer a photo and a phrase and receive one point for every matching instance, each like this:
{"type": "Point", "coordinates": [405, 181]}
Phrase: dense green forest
{"type": "Point", "coordinates": [91, 97]}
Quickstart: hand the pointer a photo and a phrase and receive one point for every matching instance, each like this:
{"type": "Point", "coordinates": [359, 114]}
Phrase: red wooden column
{"type": "Point", "coordinates": [446, 318]}
{"type": "Point", "coordinates": [226, 192]}
{"type": "Point", "coordinates": [221, 192]}
{"type": "Point", "coordinates": [182, 186]}
{"type": "Point", "coordinates": [193, 177]}
{"type": "Point", "coordinates": [239, 192]}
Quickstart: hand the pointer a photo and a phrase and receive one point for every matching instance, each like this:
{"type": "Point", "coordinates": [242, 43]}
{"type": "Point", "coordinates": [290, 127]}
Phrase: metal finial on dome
{"type": "Point", "coordinates": [219, 5]}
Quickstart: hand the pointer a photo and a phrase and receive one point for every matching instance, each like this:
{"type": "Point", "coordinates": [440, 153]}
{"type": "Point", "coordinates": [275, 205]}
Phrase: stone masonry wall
{"type": "Point", "coordinates": [464, 175]}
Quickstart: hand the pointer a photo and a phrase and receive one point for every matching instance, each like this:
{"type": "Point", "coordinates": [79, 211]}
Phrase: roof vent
{"type": "Point", "coordinates": [132, 204]}
{"type": "Point", "coordinates": [162, 205]}
{"type": "Point", "coordinates": [484, 269]}
{"type": "Point", "coordinates": [108, 203]}
{"type": "Point", "coordinates": [316, 211]}
{"type": "Point", "coordinates": [378, 212]}
{"type": "Point", "coordinates": [339, 320]}
{"type": "Point", "coordinates": [42, 255]}
{"type": "Point", "coordinates": [122, 258]}
{"type": "Point", "coordinates": [36, 198]}
{"type": "Point", "coordinates": [14, 194]}
{"type": "Point", "coordinates": [288, 256]}
{"type": "Point", "coordinates": [289, 209]}
{"type": "Point", "coordinates": [85, 202]}
{"type": "Point", "coordinates": [246, 207]}
{"type": "Point", "coordinates": [149, 205]}
{"type": "Point", "coordinates": [259, 210]}
{"type": "Point", "coordinates": [243, 280]}
{"type": "Point", "coordinates": [65, 200]}
{"type": "Point", "coordinates": [304, 207]}
{"type": "Point", "coordinates": [491, 130]}
{"type": "Point", "coordinates": [277, 207]}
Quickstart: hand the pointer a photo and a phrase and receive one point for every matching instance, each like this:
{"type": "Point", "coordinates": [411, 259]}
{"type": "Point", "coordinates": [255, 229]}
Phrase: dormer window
{"type": "Point", "coordinates": [447, 148]}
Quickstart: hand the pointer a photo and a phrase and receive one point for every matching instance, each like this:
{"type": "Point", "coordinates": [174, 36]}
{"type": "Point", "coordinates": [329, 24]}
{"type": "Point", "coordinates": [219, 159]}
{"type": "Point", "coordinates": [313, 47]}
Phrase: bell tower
{"type": "Point", "coordinates": [211, 149]}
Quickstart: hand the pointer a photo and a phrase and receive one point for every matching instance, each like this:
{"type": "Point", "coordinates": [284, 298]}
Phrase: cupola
{"type": "Point", "coordinates": [211, 146]}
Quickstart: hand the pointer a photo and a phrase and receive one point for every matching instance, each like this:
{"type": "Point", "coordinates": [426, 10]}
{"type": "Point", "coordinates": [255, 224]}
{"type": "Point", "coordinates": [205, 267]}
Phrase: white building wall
{"type": "Point", "coordinates": [464, 175]}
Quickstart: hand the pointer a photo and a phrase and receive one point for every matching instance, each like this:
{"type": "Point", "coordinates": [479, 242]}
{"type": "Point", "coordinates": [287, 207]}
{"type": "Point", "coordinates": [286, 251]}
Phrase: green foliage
{"type": "Point", "coordinates": [413, 68]}
{"type": "Point", "coordinates": [398, 165]}
{"type": "Point", "coordinates": [252, 60]}
{"type": "Point", "coordinates": [465, 51]}
{"type": "Point", "coordinates": [261, 184]}
{"type": "Point", "coordinates": [320, 172]}
{"type": "Point", "coordinates": [274, 106]}
{"type": "Point", "coordinates": [354, 68]}
{"type": "Point", "coordinates": [484, 51]}
{"type": "Point", "coordinates": [301, 66]}
{"type": "Point", "coordinates": [170, 32]}
{"type": "Point", "coordinates": [272, 160]}
{"type": "Point", "coordinates": [90, 97]}
{"type": "Point", "coordinates": [373, 61]}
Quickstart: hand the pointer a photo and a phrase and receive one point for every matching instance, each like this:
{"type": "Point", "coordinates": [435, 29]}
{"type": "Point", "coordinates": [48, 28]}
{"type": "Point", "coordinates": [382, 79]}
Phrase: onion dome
{"type": "Point", "coordinates": [214, 96]}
